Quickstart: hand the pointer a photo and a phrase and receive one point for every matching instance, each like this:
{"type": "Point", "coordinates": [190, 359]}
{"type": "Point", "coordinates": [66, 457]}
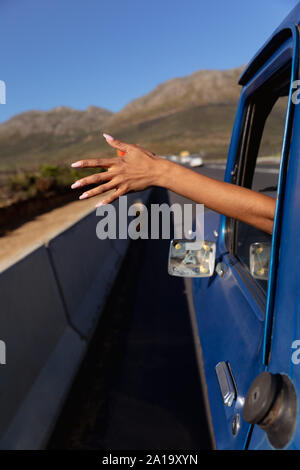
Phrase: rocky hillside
{"type": "Point", "coordinates": [60, 121]}
{"type": "Point", "coordinates": [202, 88]}
{"type": "Point", "coordinates": [34, 137]}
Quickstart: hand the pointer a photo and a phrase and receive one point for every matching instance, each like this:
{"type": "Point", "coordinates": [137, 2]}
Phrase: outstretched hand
{"type": "Point", "coordinates": [136, 170]}
{"type": "Point", "coordinates": [139, 168]}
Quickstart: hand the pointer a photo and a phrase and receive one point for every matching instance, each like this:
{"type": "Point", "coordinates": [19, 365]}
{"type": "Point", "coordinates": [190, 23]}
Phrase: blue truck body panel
{"type": "Point", "coordinates": [236, 324]}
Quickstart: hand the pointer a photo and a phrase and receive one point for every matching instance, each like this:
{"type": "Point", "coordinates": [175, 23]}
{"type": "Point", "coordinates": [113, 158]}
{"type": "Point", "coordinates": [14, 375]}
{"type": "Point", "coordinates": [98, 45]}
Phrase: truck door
{"type": "Point", "coordinates": [234, 307]}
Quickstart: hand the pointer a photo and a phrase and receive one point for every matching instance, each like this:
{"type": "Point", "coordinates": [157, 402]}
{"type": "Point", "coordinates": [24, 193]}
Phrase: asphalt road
{"type": "Point", "coordinates": [139, 387]}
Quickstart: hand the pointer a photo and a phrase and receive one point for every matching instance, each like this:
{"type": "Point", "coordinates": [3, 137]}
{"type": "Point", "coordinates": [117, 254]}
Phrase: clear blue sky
{"type": "Point", "coordinates": [83, 52]}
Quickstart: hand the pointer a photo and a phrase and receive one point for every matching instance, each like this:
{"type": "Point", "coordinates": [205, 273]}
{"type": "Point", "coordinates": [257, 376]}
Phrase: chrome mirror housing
{"type": "Point", "coordinates": [188, 258]}
{"type": "Point", "coordinates": [259, 256]}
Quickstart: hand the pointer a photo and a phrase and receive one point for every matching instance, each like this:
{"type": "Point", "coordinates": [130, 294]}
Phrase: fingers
{"type": "Point", "coordinates": [93, 179]}
{"type": "Point", "coordinates": [112, 197]}
{"type": "Point", "coordinates": [99, 190]}
{"type": "Point", "coordinates": [117, 144]}
{"type": "Point", "coordinates": [124, 147]}
{"type": "Point", "coordinates": [95, 163]}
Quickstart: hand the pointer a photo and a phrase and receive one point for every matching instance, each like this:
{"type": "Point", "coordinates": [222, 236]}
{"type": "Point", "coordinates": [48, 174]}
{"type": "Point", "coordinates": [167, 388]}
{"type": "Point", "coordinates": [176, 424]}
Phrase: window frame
{"type": "Point", "coordinates": [251, 139]}
{"type": "Point", "coordinates": [282, 58]}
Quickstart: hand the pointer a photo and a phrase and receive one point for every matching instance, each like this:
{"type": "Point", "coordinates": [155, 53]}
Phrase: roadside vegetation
{"type": "Point", "coordinates": [48, 181]}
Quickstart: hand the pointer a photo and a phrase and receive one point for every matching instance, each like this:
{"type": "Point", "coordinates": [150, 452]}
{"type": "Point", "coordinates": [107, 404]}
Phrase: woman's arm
{"type": "Point", "coordinates": [140, 168]}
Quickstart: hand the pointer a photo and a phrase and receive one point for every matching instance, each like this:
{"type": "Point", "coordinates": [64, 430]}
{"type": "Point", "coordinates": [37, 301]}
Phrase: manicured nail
{"type": "Point", "coordinates": [75, 185]}
{"type": "Point", "coordinates": [76, 164]}
{"type": "Point", "coordinates": [108, 137]}
{"type": "Point", "coordinates": [100, 204]}
{"type": "Point", "coordinates": [84, 196]}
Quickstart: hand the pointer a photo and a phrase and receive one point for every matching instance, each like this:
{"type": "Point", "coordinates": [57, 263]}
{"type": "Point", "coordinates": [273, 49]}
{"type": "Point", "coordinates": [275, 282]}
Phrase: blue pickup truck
{"type": "Point", "coordinates": [246, 291]}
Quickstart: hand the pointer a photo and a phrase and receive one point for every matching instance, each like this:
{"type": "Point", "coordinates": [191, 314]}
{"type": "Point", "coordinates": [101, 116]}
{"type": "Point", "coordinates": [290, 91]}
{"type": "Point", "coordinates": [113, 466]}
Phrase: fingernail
{"type": "Point", "coordinates": [76, 164]}
{"type": "Point", "coordinates": [108, 137]}
{"type": "Point", "coordinates": [84, 196]}
{"type": "Point", "coordinates": [75, 185]}
{"type": "Point", "coordinates": [100, 204]}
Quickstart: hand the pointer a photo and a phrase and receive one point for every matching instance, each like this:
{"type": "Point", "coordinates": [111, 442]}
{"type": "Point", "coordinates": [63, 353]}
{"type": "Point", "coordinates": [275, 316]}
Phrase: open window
{"type": "Point", "coordinates": [257, 168]}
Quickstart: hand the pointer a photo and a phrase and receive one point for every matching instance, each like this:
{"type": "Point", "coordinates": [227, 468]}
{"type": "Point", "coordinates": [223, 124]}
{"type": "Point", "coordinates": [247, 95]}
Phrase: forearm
{"type": "Point", "coordinates": [231, 200]}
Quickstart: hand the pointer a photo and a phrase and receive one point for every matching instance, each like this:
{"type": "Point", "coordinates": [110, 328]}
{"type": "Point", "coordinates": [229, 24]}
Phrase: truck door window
{"type": "Point", "coordinates": [260, 160]}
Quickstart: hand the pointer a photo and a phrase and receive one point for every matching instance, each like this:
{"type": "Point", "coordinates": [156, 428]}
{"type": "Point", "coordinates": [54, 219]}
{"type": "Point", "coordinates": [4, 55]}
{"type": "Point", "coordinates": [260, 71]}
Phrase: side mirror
{"type": "Point", "coordinates": [259, 256]}
{"type": "Point", "coordinates": [189, 258]}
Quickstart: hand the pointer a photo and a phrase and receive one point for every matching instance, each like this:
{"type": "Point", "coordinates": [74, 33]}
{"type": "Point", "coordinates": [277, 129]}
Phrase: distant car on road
{"type": "Point", "coordinates": [196, 161]}
{"type": "Point", "coordinates": [185, 159]}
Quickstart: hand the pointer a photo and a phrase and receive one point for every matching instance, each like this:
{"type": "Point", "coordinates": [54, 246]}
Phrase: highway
{"type": "Point", "coordinates": [139, 387]}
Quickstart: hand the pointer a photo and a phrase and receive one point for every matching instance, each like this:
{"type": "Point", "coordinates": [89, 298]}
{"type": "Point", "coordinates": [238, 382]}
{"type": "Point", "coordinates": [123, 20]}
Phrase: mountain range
{"type": "Point", "coordinates": [188, 113]}
{"type": "Point", "coordinates": [194, 113]}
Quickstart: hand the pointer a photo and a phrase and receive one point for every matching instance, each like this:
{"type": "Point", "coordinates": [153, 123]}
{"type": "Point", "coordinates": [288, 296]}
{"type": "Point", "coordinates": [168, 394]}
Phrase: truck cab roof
{"type": "Point", "coordinates": [279, 36]}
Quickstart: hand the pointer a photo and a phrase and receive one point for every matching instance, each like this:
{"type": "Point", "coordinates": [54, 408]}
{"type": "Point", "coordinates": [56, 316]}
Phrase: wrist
{"type": "Point", "coordinates": [163, 170]}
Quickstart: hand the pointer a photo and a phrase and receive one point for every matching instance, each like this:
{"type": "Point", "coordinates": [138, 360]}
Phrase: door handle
{"type": "Point", "coordinates": [226, 384]}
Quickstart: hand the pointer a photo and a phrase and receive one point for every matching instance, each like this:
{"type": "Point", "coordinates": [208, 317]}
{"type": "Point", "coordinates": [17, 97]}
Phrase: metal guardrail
{"type": "Point", "coordinates": [51, 301]}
